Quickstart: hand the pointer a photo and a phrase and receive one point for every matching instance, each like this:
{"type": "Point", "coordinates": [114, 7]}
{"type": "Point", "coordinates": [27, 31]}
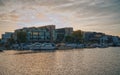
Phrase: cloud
{"type": "Point", "coordinates": [86, 14]}
{"type": "Point", "coordinates": [1, 3]}
{"type": "Point", "coordinates": [9, 17]}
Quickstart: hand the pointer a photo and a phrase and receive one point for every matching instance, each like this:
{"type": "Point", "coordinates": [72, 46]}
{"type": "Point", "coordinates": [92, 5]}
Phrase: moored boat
{"type": "Point", "coordinates": [48, 46]}
{"type": "Point", "coordinates": [1, 50]}
{"type": "Point", "coordinates": [35, 46]}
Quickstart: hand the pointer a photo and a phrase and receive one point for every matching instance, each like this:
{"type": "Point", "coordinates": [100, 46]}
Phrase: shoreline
{"type": "Point", "coordinates": [52, 46]}
{"type": "Point", "coordinates": [35, 51]}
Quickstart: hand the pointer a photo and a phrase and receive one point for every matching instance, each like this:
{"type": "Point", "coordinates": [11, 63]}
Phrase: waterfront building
{"type": "Point", "coordinates": [39, 34]}
{"type": "Point", "coordinates": [87, 36]}
{"type": "Point", "coordinates": [6, 37]}
{"type": "Point", "coordinates": [104, 40]}
{"type": "Point", "coordinates": [116, 40]}
{"type": "Point", "coordinates": [62, 32]}
{"type": "Point", "coordinates": [92, 36]}
{"type": "Point", "coordinates": [51, 30]}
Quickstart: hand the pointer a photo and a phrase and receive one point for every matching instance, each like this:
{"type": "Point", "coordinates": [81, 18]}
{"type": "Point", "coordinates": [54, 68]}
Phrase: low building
{"type": "Point", "coordinates": [92, 36]}
{"type": "Point", "coordinates": [115, 40]}
{"type": "Point", "coordinates": [104, 39]}
{"type": "Point", "coordinates": [87, 36]}
{"type": "Point", "coordinates": [62, 32]}
{"type": "Point", "coordinates": [6, 37]}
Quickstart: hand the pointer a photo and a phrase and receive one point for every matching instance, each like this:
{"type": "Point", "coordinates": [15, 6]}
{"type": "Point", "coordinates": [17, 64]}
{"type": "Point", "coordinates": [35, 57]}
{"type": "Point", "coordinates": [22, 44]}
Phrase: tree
{"type": "Point", "coordinates": [78, 36]}
{"type": "Point", "coordinates": [21, 37]}
{"type": "Point", "coordinates": [69, 39]}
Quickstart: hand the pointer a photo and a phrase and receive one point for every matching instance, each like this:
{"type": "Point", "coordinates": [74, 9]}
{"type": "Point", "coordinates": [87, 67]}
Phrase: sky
{"type": "Point", "coordinates": [87, 15]}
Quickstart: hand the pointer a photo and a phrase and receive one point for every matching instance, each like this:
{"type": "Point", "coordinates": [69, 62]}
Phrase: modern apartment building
{"type": "Point", "coordinates": [6, 37]}
{"type": "Point", "coordinates": [62, 32]}
{"type": "Point", "coordinates": [92, 36]}
{"type": "Point", "coordinates": [39, 34]}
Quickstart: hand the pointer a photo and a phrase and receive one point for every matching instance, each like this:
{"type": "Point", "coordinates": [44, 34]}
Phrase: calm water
{"type": "Point", "coordinates": [104, 61]}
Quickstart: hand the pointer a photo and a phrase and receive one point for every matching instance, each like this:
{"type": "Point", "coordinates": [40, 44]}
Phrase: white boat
{"type": "Point", "coordinates": [80, 46]}
{"type": "Point", "coordinates": [63, 46]}
{"type": "Point", "coordinates": [103, 45]}
{"type": "Point", "coordinates": [15, 46]}
{"type": "Point", "coordinates": [48, 46]}
{"type": "Point", "coordinates": [72, 45]}
{"type": "Point", "coordinates": [36, 46]}
{"type": "Point", "coordinates": [110, 44]}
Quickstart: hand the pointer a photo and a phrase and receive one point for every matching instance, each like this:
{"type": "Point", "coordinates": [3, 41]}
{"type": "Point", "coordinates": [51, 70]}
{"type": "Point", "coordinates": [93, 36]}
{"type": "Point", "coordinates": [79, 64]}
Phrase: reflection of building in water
{"type": "Point", "coordinates": [69, 62]}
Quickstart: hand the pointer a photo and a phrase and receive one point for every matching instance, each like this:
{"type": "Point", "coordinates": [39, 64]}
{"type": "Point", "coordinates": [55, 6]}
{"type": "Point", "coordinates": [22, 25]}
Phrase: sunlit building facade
{"type": "Point", "coordinates": [39, 34]}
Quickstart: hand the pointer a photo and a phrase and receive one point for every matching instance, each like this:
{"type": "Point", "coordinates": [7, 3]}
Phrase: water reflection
{"type": "Point", "coordinates": [62, 62]}
{"type": "Point", "coordinates": [69, 62]}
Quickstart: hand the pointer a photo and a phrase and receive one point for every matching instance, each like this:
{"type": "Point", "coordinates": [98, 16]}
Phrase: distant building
{"type": "Point", "coordinates": [45, 33]}
{"type": "Point", "coordinates": [62, 32]}
{"type": "Point", "coordinates": [87, 36]}
{"type": "Point", "coordinates": [115, 40]}
{"type": "Point", "coordinates": [39, 34]}
{"type": "Point", "coordinates": [51, 30]}
{"type": "Point", "coordinates": [104, 39]}
{"type": "Point", "coordinates": [92, 36]}
{"type": "Point", "coordinates": [6, 37]}
{"type": "Point", "coordinates": [110, 38]}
